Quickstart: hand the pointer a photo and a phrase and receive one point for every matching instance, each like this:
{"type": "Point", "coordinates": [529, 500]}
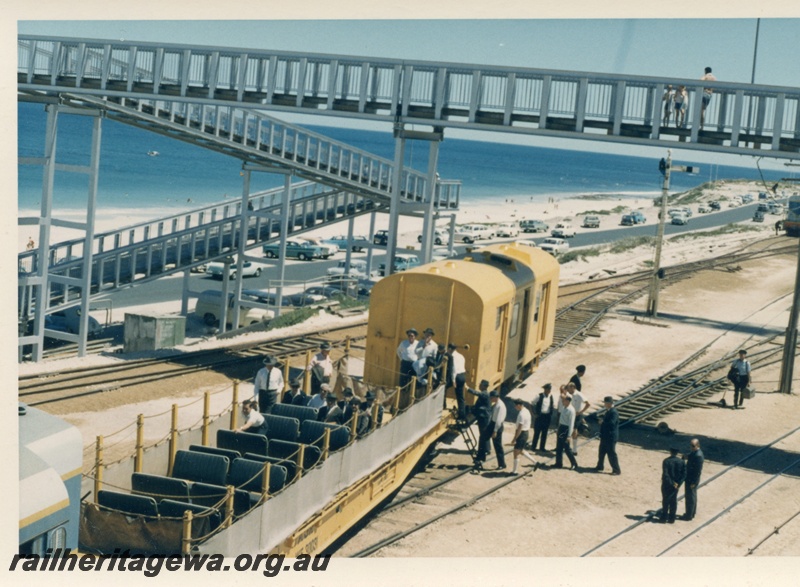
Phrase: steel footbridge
{"type": "Point", "coordinates": [219, 98]}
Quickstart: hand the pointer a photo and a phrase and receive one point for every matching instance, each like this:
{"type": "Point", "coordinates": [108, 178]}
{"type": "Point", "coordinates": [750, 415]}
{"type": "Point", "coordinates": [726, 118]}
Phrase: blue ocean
{"type": "Point", "coordinates": [188, 176]}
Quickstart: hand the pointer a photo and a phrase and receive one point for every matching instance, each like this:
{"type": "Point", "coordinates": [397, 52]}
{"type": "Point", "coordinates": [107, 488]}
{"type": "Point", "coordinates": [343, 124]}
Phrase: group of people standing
{"type": "Point", "coordinates": [421, 357]}
{"type": "Point", "coordinates": [674, 473]}
{"type": "Point", "coordinates": [269, 382]}
{"type": "Point", "coordinates": [677, 101]}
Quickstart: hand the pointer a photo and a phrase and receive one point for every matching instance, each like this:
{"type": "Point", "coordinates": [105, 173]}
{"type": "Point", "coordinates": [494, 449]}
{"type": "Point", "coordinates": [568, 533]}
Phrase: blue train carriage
{"type": "Point", "coordinates": [792, 222]}
{"type": "Point", "coordinates": [50, 460]}
{"type": "Point", "coordinates": [499, 301]}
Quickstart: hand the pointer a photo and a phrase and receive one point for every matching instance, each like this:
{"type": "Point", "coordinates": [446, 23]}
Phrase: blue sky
{"type": "Point", "coordinates": [649, 47]}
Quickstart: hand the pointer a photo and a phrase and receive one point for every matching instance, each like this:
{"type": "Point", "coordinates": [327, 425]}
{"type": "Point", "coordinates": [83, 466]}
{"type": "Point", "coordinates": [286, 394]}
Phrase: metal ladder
{"type": "Point", "coordinates": [464, 428]}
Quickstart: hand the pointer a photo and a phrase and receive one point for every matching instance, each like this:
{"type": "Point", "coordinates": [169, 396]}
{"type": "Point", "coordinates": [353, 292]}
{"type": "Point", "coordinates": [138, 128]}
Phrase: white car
{"type": "Point", "coordinates": [563, 231]}
{"type": "Point", "coordinates": [217, 269]}
{"type": "Point", "coordinates": [329, 248]}
{"type": "Point", "coordinates": [680, 218]}
{"type": "Point", "coordinates": [439, 237]}
{"type": "Point", "coordinates": [507, 229]}
{"type": "Point", "coordinates": [442, 253]}
{"type": "Point", "coordinates": [358, 268]}
{"type": "Point", "coordinates": [470, 233]}
{"type": "Point", "coordinates": [554, 245]}
{"type": "Point", "coordinates": [703, 209]}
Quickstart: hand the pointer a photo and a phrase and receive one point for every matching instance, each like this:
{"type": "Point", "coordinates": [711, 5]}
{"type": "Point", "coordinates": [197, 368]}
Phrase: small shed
{"type": "Point", "coordinates": [148, 333]}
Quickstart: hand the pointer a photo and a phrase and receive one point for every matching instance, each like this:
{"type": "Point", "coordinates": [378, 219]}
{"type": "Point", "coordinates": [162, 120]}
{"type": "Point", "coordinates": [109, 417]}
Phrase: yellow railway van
{"type": "Point", "coordinates": [497, 304]}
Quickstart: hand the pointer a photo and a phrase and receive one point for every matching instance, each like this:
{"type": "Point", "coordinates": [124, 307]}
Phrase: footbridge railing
{"type": "Point", "coordinates": [740, 118]}
{"type": "Point", "coordinates": [154, 249]}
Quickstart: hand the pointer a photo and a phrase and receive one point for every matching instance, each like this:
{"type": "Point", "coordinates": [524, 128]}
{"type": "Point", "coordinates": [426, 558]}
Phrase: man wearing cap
{"type": "Point", "coordinates": [521, 434]}
{"type": "Point", "coordinates": [457, 376]}
{"type": "Point", "coordinates": [543, 408]}
{"type": "Point", "coordinates": [741, 366]}
{"type": "Point", "coordinates": [483, 415]}
{"type": "Point", "coordinates": [496, 427]}
{"type": "Point", "coordinates": [426, 347]}
{"type": "Point", "coordinates": [318, 400]}
{"type": "Point", "coordinates": [673, 472]}
{"type": "Point", "coordinates": [694, 467]}
{"type": "Point", "coordinates": [327, 409]}
{"type": "Point", "coordinates": [407, 353]}
{"type": "Point", "coordinates": [335, 413]}
{"type": "Point", "coordinates": [267, 385]}
{"type": "Point", "coordinates": [321, 367]}
{"type": "Point", "coordinates": [300, 398]}
{"type": "Point", "coordinates": [566, 423]}
{"type": "Point", "coordinates": [294, 389]}
{"type": "Point", "coordinates": [350, 405]}
{"type": "Point", "coordinates": [609, 434]}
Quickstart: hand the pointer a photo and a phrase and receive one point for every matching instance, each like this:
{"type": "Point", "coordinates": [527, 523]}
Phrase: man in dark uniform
{"type": "Point", "coordinates": [543, 410]}
{"type": "Point", "coordinates": [483, 415]}
{"type": "Point", "coordinates": [370, 401]}
{"type": "Point", "coordinates": [694, 467]}
{"type": "Point", "coordinates": [673, 472]}
{"type": "Point", "coordinates": [495, 427]}
{"type": "Point", "coordinates": [609, 434]}
{"type": "Point", "coordinates": [580, 371]}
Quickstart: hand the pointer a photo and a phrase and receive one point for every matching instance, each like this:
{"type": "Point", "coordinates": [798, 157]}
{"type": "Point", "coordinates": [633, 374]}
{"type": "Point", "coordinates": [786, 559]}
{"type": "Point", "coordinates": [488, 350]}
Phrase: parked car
{"type": "Point", "coordinates": [381, 237]}
{"type": "Point", "coordinates": [758, 216]}
{"type": "Point", "coordinates": [680, 218]}
{"type": "Point", "coordinates": [591, 222]}
{"type": "Point", "coordinates": [775, 208]}
{"type": "Point", "coordinates": [703, 209]}
{"type": "Point", "coordinates": [674, 211]}
{"type": "Point", "coordinates": [68, 320]}
{"type": "Point", "coordinates": [762, 207]}
{"type": "Point", "coordinates": [627, 220]}
{"type": "Point", "coordinates": [301, 249]}
{"type": "Point", "coordinates": [714, 205]}
{"type": "Point", "coordinates": [208, 308]}
{"type": "Point", "coordinates": [358, 268]}
{"type": "Point", "coordinates": [327, 291]}
{"type": "Point", "coordinates": [402, 261]}
{"type": "Point", "coordinates": [747, 198]}
{"type": "Point", "coordinates": [357, 244]}
{"type": "Point", "coordinates": [442, 253]}
{"type": "Point", "coordinates": [469, 233]}
{"type": "Point", "coordinates": [507, 229]}
{"type": "Point", "coordinates": [439, 237]}
{"type": "Point", "coordinates": [266, 297]}
{"type": "Point", "coordinates": [638, 217]}
{"type": "Point", "coordinates": [329, 248]}
{"type": "Point", "coordinates": [563, 231]}
{"type": "Point", "coordinates": [554, 245]}
{"type": "Point", "coordinates": [533, 226]}
{"type": "Point", "coordinates": [217, 269]}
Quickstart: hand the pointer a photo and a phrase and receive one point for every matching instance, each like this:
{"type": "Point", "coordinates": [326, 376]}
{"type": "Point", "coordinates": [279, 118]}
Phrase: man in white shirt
{"type": "Point", "coordinates": [321, 367]}
{"type": "Point", "coordinates": [496, 427]}
{"type": "Point", "coordinates": [457, 369]}
{"type": "Point", "coordinates": [407, 353]}
{"type": "Point", "coordinates": [580, 405]}
{"type": "Point", "coordinates": [267, 384]}
{"type": "Point", "coordinates": [521, 434]}
{"type": "Point", "coordinates": [254, 420]}
{"type": "Point", "coordinates": [566, 424]}
{"type": "Point", "coordinates": [427, 347]}
{"type": "Point", "coordinates": [318, 399]}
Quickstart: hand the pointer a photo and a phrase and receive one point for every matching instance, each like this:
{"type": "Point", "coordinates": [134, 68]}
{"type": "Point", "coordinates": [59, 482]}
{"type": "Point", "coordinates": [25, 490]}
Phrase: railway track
{"type": "Point", "coordinates": [429, 496]}
{"type": "Point", "coordinates": [80, 382]}
{"type": "Point", "coordinates": [574, 321]}
{"type": "Point", "coordinates": [743, 490]}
